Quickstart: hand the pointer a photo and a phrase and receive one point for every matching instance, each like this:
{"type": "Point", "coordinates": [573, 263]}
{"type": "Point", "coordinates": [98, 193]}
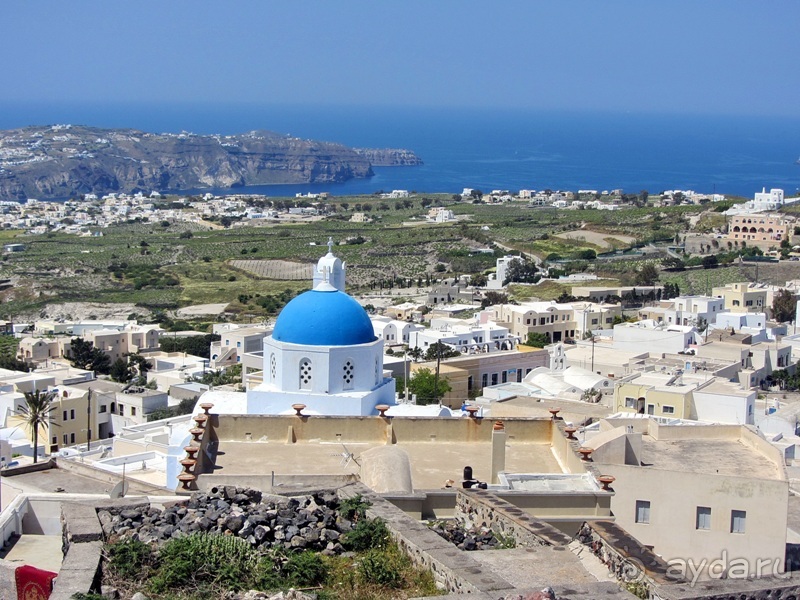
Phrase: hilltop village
{"type": "Point", "coordinates": [623, 440]}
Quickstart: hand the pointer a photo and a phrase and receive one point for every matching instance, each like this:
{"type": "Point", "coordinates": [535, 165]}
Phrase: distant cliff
{"type": "Point", "coordinates": [389, 157]}
{"type": "Point", "coordinates": [62, 161]}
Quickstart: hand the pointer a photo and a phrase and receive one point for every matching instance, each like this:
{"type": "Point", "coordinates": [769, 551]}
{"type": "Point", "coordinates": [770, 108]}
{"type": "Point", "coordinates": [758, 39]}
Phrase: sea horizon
{"type": "Point", "coordinates": [487, 149]}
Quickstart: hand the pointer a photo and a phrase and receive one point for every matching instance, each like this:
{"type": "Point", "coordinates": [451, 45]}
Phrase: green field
{"type": "Point", "coordinates": [164, 267]}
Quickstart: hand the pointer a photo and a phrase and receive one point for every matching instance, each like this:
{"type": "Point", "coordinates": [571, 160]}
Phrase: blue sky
{"type": "Point", "coordinates": [675, 56]}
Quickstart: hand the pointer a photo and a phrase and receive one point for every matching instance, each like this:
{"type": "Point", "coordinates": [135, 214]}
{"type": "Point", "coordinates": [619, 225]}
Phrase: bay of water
{"type": "Point", "coordinates": [491, 149]}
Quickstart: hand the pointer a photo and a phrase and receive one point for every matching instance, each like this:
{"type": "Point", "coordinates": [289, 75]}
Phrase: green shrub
{"type": "Point", "coordinates": [305, 569]}
{"type": "Point", "coordinates": [367, 535]}
{"type": "Point", "coordinates": [354, 509]}
{"type": "Point", "coordinates": [129, 558]}
{"type": "Point", "coordinates": [382, 568]}
{"type": "Point", "coordinates": [205, 559]}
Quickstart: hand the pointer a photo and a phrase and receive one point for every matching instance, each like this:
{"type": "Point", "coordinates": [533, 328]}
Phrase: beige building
{"type": "Point", "coordinates": [592, 316]}
{"type": "Point", "coordinates": [690, 396]}
{"type": "Point", "coordinates": [757, 230]}
{"type": "Point", "coordinates": [235, 343]}
{"type": "Point", "coordinates": [115, 343]}
{"type": "Point", "coordinates": [756, 361]}
{"type": "Point", "coordinates": [69, 421]}
{"type": "Point", "coordinates": [38, 350]}
{"type": "Point", "coordinates": [605, 293]}
{"type": "Point", "coordinates": [468, 375]}
{"type": "Point", "coordinates": [706, 493]}
{"type": "Point", "coordinates": [556, 321]}
{"type": "Point", "coordinates": [742, 297]}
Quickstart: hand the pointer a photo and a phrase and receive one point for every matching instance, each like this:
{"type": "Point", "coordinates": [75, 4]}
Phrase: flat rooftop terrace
{"type": "Point", "coordinates": [728, 457]}
{"type": "Point", "coordinates": [438, 448]}
{"type": "Point", "coordinates": [432, 463]}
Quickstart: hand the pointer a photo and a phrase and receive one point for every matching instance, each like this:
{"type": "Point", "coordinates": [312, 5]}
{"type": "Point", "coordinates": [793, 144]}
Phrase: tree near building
{"type": "Point", "coordinates": [710, 262]}
{"type": "Point", "coordinates": [492, 298]}
{"type": "Point", "coordinates": [438, 351]}
{"type": "Point", "coordinates": [647, 275]}
{"type": "Point", "coordinates": [36, 412]}
{"type": "Point", "coordinates": [784, 305]}
{"type": "Point", "coordinates": [537, 340]}
{"type": "Point", "coordinates": [423, 383]}
{"type": "Point", "coordinates": [522, 271]}
{"type": "Point", "coordinates": [120, 371]}
{"type": "Point", "coordinates": [85, 356]}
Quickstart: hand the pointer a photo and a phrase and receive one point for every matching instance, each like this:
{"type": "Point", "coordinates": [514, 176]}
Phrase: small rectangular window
{"type": "Point", "coordinates": [66, 439]}
{"type": "Point", "coordinates": [103, 408]}
{"type": "Point", "coordinates": [738, 518]}
{"type": "Point", "coordinates": [630, 402]}
{"type": "Point", "coordinates": [71, 438]}
{"type": "Point", "coordinates": [65, 416]}
{"type": "Point", "coordinates": [133, 411]}
{"type": "Point", "coordinates": [642, 511]}
{"type": "Point", "coordinates": [72, 413]}
{"type": "Point", "coordinates": [703, 520]}
{"type": "Point", "coordinates": [668, 410]}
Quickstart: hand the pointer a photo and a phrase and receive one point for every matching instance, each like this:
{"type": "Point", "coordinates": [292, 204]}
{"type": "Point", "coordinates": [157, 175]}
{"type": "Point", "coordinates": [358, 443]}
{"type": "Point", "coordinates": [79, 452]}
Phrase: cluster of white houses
{"type": "Point", "coordinates": [667, 405]}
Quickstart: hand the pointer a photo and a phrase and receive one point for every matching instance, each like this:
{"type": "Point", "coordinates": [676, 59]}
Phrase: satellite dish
{"type": "Point", "coordinates": [119, 490]}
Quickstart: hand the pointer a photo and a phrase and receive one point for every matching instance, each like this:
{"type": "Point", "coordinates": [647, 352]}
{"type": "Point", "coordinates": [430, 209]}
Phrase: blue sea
{"type": "Point", "coordinates": [492, 149]}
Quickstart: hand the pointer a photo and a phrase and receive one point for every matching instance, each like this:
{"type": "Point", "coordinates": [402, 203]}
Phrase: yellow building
{"type": "Point", "coordinates": [742, 297]}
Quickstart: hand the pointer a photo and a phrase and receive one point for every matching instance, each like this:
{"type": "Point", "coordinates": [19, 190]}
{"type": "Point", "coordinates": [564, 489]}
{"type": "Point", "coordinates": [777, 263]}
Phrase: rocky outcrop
{"type": "Point", "coordinates": [389, 157]}
{"type": "Point", "coordinates": [66, 161]}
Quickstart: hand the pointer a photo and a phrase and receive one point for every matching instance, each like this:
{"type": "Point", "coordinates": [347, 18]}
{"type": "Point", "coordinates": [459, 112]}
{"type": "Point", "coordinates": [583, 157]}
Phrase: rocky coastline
{"type": "Point", "coordinates": [66, 161]}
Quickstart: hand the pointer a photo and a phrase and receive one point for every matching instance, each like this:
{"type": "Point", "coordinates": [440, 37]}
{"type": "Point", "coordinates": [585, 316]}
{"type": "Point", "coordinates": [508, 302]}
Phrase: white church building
{"type": "Point", "coordinates": [323, 353]}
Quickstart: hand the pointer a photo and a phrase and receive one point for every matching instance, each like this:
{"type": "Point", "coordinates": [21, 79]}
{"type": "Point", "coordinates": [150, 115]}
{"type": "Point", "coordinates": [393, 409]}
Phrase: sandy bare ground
{"type": "Point", "coordinates": [275, 269]}
{"type": "Point", "coordinates": [93, 310]}
{"type": "Point", "coordinates": [595, 237]}
{"type": "Point", "coordinates": [197, 310]}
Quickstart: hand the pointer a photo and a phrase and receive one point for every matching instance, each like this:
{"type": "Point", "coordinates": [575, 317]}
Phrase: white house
{"type": "Point", "coordinates": [658, 337]}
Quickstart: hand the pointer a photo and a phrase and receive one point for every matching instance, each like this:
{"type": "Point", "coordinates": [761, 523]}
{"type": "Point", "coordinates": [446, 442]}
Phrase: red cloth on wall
{"type": "Point", "coordinates": [33, 583]}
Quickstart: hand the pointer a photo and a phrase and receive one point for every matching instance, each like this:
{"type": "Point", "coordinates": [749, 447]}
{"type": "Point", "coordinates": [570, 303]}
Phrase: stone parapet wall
{"type": "Point", "coordinates": [86, 469]}
{"type": "Point", "coordinates": [482, 509]}
{"type": "Point", "coordinates": [451, 568]}
{"type": "Point", "coordinates": [771, 588]}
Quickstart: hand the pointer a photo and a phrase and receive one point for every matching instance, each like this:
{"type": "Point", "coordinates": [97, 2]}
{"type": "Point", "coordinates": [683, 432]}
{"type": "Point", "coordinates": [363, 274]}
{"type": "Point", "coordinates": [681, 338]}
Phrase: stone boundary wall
{"type": "Point", "coordinates": [87, 470]}
{"type": "Point", "coordinates": [451, 568]}
{"type": "Point", "coordinates": [83, 545]}
{"type": "Point", "coordinates": [31, 468]}
{"type": "Point", "coordinates": [736, 589]}
{"type": "Point", "coordinates": [626, 558]}
{"type": "Point", "coordinates": [480, 508]}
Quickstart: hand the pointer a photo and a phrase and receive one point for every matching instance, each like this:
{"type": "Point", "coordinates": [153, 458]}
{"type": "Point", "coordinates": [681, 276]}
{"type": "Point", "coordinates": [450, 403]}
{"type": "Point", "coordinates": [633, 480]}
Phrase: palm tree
{"type": "Point", "coordinates": [37, 409]}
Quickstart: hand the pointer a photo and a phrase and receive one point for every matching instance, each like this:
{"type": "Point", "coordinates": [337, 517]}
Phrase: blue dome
{"type": "Point", "coordinates": [324, 318]}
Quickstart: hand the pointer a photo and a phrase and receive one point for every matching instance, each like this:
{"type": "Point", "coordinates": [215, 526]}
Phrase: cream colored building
{"type": "Point", "coordinates": [593, 316]}
{"type": "Point", "coordinates": [234, 344]}
{"type": "Point", "coordinates": [116, 343]}
{"type": "Point", "coordinates": [468, 375]}
{"type": "Point", "coordinates": [690, 396]}
{"type": "Point", "coordinates": [742, 296]}
{"type": "Point", "coordinates": [556, 321]}
{"type": "Point", "coordinates": [757, 230]}
{"type": "Point", "coordinates": [705, 493]}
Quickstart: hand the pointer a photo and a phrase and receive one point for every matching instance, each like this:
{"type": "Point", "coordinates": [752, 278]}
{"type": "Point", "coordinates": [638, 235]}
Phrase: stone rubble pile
{"type": "Point", "coordinates": [302, 522]}
{"type": "Point", "coordinates": [465, 538]}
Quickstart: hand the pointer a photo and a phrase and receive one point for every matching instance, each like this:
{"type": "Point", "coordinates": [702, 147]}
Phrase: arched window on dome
{"type": "Point", "coordinates": [273, 368]}
{"type": "Point", "coordinates": [305, 374]}
{"type": "Point", "coordinates": [348, 374]}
